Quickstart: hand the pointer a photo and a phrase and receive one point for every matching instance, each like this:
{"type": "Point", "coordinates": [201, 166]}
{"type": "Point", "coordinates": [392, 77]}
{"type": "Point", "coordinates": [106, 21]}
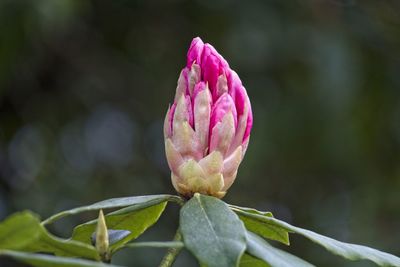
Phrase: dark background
{"type": "Point", "coordinates": [84, 87]}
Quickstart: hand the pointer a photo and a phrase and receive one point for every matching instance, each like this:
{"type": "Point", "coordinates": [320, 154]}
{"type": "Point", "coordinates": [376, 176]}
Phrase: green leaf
{"type": "Point", "coordinates": [18, 230]}
{"type": "Point", "coordinates": [260, 248]}
{"type": "Point", "coordinates": [23, 231]}
{"type": "Point", "coordinates": [41, 260]}
{"type": "Point", "coordinates": [142, 201]}
{"type": "Point", "coordinates": [212, 232]}
{"type": "Point", "coordinates": [346, 250]}
{"type": "Point", "coordinates": [250, 261]}
{"type": "Point", "coordinates": [135, 219]}
{"type": "Point", "coordinates": [251, 210]}
{"type": "Point", "coordinates": [262, 228]}
{"type": "Point", "coordinates": [160, 244]}
{"type": "Point", "coordinates": [49, 243]}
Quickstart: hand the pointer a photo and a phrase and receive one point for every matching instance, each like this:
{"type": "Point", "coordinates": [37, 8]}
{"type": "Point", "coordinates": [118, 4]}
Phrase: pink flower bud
{"type": "Point", "coordinates": [207, 128]}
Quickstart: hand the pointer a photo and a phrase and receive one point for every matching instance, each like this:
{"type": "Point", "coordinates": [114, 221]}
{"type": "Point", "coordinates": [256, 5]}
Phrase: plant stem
{"type": "Point", "coordinates": [172, 253]}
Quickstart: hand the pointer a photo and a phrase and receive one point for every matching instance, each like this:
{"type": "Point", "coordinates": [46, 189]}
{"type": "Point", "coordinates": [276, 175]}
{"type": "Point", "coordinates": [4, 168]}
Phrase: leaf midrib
{"type": "Point", "coordinates": [210, 225]}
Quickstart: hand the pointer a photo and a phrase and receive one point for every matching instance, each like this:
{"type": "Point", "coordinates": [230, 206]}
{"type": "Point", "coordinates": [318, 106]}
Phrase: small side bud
{"type": "Point", "coordinates": [102, 244]}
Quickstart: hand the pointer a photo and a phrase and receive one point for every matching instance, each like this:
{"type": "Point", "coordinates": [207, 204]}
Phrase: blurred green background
{"type": "Point", "coordinates": [84, 87]}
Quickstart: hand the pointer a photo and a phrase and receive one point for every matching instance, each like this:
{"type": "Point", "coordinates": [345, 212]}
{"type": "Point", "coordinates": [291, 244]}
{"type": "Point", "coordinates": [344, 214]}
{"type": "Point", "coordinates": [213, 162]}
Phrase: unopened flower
{"type": "Point", "coordinates": [207, 128]}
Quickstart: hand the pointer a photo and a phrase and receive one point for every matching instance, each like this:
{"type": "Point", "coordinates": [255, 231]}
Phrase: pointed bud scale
{"type": "Point", "coordinates": [207, 128]}
{"type": "Point", "coordinates": [102, 244]}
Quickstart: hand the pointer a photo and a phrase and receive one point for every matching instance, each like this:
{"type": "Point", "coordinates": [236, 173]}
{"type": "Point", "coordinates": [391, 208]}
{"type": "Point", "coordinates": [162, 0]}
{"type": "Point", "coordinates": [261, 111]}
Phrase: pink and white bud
{"type": "Point", "coordinates": [207, 128]}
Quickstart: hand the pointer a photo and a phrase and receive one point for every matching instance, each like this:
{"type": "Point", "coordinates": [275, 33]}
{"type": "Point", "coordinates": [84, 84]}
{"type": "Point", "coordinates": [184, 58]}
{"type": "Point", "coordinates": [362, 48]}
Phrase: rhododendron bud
{"type": "Point", "coordinates": [207, 128]}
{"type": "Point", "coordinates": [102, 243]}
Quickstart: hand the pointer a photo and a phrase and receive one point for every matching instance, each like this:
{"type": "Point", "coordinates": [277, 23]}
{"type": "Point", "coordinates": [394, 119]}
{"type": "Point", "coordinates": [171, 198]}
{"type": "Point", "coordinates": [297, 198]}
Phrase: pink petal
{"type": "Point", "coordinates": [174, 158]}
{"type": "Point", "coordinates": [245, 145]}
{"type": "Point", "coordinates": [240, 130]}
{"type": "Point", "coordinates": [222, 62]}
{"type": "Point", "coordinates": [182, 85]}
{"type": "Point", "coordinates": [242, 103]}
{"type": "Point", "coordinates": [190, 109]}
{"type": "Point", "coordinates": [186, 142]}
{"type": "Point", "coordinates": [198, 88]}
{"type": "Point", "coordinates": [234, 83]}
{"type": "Point", "coordinates": [195, 52]}
{"type": "Point", "coordinates": [231, 165]}
{"type": "Point", "coordinates": [222, 134]}
{"type": "Point", "coordinates": [210, 69]}
{"type": "Point", "coordinates": [212, 65]}
{"type": "Point", "coordinates": [183, 111]}
{"type": "Point", "coordinates": [193, 78]}
{"type": "Point", "coordinates": [240, 99]}
{"type": "Point", "coordinates": [223, 105]}
{"type": "Point", "coordinates": [171, 115]}
{"type": "Point", "coordinates": [249, 124]}
{"type": "Point", "coordinates": [202, 113]}
{"type": "Point", "coordinates": [222, 86]}
{"type": "Point", "coordinates": [167, 124]}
